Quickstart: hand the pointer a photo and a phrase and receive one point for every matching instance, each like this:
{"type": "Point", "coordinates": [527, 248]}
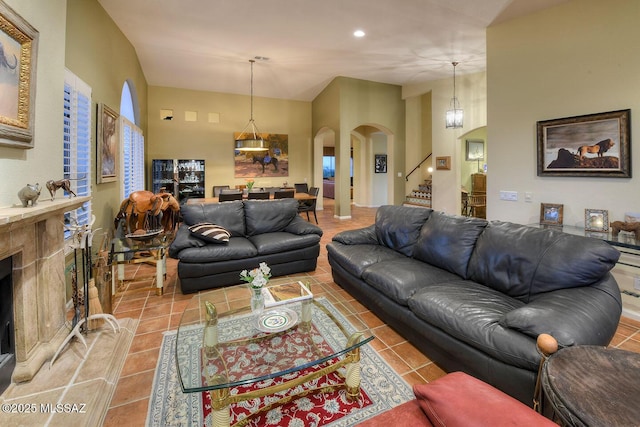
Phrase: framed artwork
{"type": "Point", "coordinates": [443, 163]}
{"type": "Point", "coordinates": [380, 163]}
{"type": "Point", "coordinates": [550, 214]}
{"type": "Point", "coordinates": [107, 141]}
{"type": "Point", "coordinates": [18, 54]}
{"type": "Point", "coordinates": [263, 164]}
{"type": "Point", "coordinates": [475, 150]}
{"type": "Point", "coordinates": [589, 145]}
{"type": "Point", "coordinates": [596, 220]}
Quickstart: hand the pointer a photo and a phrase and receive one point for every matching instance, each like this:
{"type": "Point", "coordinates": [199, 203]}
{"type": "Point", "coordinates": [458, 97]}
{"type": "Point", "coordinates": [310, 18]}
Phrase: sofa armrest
{"type": "Point", "coordinates": [299, 226]}
{"type": "Point", "coordinates": [361, 236]}
{"type": "Point", "coordinates": [183, 240]}
{"type": "Point", "coordinates": [576, 316]}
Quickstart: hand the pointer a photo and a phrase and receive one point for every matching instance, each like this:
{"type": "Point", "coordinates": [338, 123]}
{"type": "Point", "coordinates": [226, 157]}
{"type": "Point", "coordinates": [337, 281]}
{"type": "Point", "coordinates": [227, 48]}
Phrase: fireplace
{"type": "Point", "coordinates": [7, 335]}
{"type": "Point", "coordinates": [32, 239]}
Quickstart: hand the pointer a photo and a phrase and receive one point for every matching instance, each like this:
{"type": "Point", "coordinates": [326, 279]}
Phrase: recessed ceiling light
{"type": "Point", "coordinates": [358, 33]}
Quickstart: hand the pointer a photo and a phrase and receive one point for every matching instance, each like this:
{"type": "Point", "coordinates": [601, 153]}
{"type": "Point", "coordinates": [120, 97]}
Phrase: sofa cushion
{"type": "Point", "coordinates": [471, 313]}
{"type": "Point", "coordinates": [399, 279]}
{"type": "Point", "coordinates": [211, 233]}
{"type": "Point", "coordinates": [458, 399]}
{"type": "Point", "coordinates": [237, 248]}
{"type": "Point", "coordinates": [273, 243]}
{"type": "Point", "coordinates": [267, 216]}
{"type": "Point", "coordinates": [356, 258]}
{"type": "Point", "coordinates": [398, 227]}
{"type": "Point", "coordinates": [522, 261]}
{"type": "Point", "coordinates": [447, 241]}
{"type": "Point", "coordinates": [229, 215]}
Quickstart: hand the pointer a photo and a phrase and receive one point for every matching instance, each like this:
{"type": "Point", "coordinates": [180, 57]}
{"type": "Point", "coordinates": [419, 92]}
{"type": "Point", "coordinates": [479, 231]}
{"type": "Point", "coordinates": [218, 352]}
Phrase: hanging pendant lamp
{"type": "Point", "coordinates": [455, 114]}
{"type": "Point", "coordinates": [250, 139]}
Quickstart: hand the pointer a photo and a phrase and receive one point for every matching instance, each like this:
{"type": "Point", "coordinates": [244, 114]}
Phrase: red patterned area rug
{"type": "Point", "coordinates": [320, 403]}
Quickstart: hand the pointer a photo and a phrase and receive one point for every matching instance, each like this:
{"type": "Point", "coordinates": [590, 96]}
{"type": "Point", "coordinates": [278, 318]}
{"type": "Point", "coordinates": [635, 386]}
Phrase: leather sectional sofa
{"type": "Point", "coordinates": [258, 231]}
{"type": "Point", "coordinates": [474, 295]}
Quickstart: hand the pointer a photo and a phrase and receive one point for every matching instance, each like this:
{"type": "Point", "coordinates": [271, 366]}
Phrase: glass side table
{"type": "Point", "coordinates": [145, 249]}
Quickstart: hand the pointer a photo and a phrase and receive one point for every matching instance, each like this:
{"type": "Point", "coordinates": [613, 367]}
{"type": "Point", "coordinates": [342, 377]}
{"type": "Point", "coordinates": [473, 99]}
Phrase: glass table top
{"type": "Point", "coordinates": [220, 349]}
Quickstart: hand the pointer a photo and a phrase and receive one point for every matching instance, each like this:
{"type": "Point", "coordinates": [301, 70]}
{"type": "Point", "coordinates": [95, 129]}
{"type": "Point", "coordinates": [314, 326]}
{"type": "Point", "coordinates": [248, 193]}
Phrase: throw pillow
{"type": "Point", "coordinates": [209, 232]}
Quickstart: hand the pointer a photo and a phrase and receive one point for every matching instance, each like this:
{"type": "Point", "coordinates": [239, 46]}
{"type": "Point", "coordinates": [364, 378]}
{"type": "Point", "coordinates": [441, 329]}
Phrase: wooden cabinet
{"type": "Point", "coordinates": [478, 196]}
{"type": "Point", "coordinates": [478, 183]}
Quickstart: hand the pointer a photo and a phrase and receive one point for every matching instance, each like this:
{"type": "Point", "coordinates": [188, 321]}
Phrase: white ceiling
{"type": "Point", "coordinates": [207, 44]}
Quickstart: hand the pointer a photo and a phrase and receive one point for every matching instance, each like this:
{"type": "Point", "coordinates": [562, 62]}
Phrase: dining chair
{"type": "Point", "coordinates": [283, 194]}
{"type": "Point", "coordinates": [229, 195]}
{"type": "Point", "coordinates": [218, 188]}
{"type": "Point", "coordinates": [310, 205]}
{"type": "Point", "coordinates": [301, 187]}
{"type": "Point", "coordinates": [261, 195]}
{"type": "Point", "coordinates": [476, 201]}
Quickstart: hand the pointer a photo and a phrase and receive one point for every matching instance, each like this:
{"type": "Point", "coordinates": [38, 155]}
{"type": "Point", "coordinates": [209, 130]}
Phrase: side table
{"type": "Point", "coordinates": [132, 251]}
{"type": "Point", "coordinates": [593, 386]}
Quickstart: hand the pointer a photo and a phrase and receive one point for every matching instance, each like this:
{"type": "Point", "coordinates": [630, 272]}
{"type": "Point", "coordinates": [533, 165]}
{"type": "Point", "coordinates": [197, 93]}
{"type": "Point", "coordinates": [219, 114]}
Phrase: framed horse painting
{"type": "Point", "coordinates": [268, 163]}
{"type": "Point", "coordinates": [18, 55]}
{"type": "Point", "coordinates": [590, 145]}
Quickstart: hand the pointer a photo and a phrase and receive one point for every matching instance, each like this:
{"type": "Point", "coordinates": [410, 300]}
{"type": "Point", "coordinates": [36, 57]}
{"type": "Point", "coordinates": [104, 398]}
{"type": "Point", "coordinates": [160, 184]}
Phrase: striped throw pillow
{"type": "Point", "coordinates": [210, 232]}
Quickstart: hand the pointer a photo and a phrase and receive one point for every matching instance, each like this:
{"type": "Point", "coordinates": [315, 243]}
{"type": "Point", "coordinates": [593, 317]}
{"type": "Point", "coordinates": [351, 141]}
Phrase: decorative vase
{"type": "Point", "coordinates": [257, 301]}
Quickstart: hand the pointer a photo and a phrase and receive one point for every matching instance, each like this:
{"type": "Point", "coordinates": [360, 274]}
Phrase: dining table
{"type": "Point", "coordinates": [297, 196]}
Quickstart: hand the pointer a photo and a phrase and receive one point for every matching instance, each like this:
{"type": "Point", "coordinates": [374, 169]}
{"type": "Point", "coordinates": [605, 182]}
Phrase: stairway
{"type": "Point", "coordinates": [420, 197]}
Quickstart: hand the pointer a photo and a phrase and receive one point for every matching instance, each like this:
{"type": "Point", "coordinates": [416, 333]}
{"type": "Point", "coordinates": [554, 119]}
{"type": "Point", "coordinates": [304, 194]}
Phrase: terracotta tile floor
{"type": "Point", "coordinates": [158, 314]}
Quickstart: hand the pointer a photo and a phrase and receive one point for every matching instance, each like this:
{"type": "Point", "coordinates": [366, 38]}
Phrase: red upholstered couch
{"type": "Point", "coordinates": [459, 400]}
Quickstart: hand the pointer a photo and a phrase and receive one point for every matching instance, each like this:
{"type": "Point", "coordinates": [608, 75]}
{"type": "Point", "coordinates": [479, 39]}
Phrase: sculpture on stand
{"type": "Point", "coordinates": [617, 226]}
{"type": "Point", "coordinates": [29, 193]}
{"type": "Point", "coordinates": [146, 213]}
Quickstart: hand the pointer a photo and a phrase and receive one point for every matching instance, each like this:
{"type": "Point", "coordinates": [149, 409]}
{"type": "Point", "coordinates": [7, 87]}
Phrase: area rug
{"type": "Point", "coordinates": [381, 389]}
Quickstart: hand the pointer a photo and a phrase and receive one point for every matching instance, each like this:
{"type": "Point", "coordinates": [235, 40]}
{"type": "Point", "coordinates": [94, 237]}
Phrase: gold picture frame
{"type": "Point", "coordinates": [443, 163]}
{"type": "Point", "coordinates": [18, 54]}
{"type": "Point", "coordinates": [596, 220]}
{"type": "Point", "coordinates": [551, 214]}
{"type": "Point", "coordinates": [107, 145]}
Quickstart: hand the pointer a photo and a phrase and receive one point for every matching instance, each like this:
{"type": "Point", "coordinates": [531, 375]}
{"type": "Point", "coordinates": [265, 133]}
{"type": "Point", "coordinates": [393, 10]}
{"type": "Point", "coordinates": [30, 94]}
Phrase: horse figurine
{"type": "Point", "coordinates": [265, 160]}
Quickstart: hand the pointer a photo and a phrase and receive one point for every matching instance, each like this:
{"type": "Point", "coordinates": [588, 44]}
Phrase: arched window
{"type": "Point", "coordinates": [132, 142]}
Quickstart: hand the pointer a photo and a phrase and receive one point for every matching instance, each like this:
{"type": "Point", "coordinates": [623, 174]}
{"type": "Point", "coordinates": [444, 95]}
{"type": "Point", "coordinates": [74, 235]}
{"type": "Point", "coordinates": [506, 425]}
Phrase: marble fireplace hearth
{"type": "Point", "coordinates": [34, 239]}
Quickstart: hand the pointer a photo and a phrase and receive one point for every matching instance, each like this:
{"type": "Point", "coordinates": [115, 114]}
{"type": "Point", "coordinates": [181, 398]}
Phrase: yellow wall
{"type": "Point", "coordinates": [577, 58]}
{"type": "Point", "coordinates": [213, 142]}
{"type": "Point", "coordinates": [43, 162]}
{"type": "Point", "coordinates": [98, 53]}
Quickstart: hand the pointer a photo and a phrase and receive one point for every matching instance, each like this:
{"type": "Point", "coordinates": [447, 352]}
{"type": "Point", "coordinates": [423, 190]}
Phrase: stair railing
{"type": "Point", "coordinates": [417, 167]}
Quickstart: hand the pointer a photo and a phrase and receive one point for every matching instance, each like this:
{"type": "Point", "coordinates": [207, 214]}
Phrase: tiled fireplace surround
{"type": "Point", "coordinates": [34, 238]}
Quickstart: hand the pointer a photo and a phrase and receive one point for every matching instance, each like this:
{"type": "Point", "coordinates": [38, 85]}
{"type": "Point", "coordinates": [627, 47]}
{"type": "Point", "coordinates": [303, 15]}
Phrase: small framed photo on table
{"type": "Point", "coordinates": [551, 214]}
{"type": "Point", "coordinates": [596, 220]}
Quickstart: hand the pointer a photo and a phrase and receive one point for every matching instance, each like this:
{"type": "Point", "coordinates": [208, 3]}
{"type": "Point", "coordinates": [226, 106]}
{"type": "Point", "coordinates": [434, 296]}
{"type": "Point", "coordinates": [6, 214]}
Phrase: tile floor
{"type": "Point", "coordinates": [157, 314]}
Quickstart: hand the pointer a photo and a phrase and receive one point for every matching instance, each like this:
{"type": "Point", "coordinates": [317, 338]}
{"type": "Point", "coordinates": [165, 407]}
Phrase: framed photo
{"type": "Point", "coordinates": [108, 140]}
{"type": "Point", "coordinates": [380, 163]}
{"type": "Point", "coordinates": [443, 163]}
{"type": "Point", "coordinates": [550, 214]}
{"type": "Point", "coordinates": [596, 220]}
{"type": "Point", "coordinates": [589, 145]}
{"type": "Point", "coordinates": [18, 54]}
{"type": "Point", "coordinates": [475, 150]}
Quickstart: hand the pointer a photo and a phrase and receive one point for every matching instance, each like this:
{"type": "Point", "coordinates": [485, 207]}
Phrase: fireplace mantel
{"type": "Point", "coordinates": [34, 237]}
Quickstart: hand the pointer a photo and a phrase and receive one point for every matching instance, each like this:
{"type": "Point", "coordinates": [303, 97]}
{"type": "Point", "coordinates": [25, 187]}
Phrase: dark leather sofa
{"type": "Point", "coordinates": [474, 295]}
{"type": "Point", "coordinates": [268, 231]}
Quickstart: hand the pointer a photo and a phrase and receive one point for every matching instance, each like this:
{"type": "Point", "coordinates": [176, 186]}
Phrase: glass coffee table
{"type": "Point", "coordinates": [237, 355]}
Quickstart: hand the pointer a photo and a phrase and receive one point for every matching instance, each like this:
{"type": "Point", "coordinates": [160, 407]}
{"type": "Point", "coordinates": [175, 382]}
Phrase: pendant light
{"type": "Point", "coordinates": [455, 115]}
{"type": "Point", "coordinates": [250, 140]}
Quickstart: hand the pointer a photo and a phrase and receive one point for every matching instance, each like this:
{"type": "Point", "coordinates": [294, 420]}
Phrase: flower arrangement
{"type": "Point", "coordinates": [250, 183]}
{"type": "Point", "coordinates": [258, 277]}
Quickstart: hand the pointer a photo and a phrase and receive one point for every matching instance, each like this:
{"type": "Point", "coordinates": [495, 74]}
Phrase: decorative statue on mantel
{"type": "Point", "coordinates": [65, 184]}
{"type": "Point", "coordinates": [29, 193]}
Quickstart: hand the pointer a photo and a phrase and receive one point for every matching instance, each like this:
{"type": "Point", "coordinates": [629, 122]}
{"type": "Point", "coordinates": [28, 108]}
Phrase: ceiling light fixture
{"type": "Point", "coordinates": [455, 114]}
{"type": "Point", "coordinates": [251, 141]}
{"type": "Point", "coordinates": [358, 33]}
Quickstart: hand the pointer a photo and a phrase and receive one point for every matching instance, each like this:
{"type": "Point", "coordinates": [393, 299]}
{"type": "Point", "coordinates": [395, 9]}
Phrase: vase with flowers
{"type": "Point", "coordinates": [257, 279]}
{"type": "Point", "coordinates": [250, 183]}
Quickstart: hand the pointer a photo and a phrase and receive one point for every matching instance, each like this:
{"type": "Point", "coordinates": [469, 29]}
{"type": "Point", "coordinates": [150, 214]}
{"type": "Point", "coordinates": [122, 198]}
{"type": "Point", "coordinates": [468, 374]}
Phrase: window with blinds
{"type": "Point", "coordinates": [132, 157]}
{"type": "Point", "coordinates": [77, 145]}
